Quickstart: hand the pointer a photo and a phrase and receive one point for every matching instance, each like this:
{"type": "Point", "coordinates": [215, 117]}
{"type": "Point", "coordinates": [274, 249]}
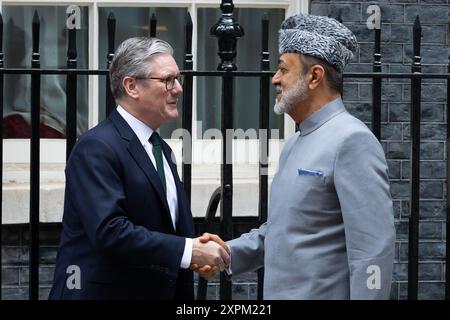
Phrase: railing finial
{"type": "Point", "coordinates": [35, 35]}
{"type": "Point", "coordinates": [227, 31]}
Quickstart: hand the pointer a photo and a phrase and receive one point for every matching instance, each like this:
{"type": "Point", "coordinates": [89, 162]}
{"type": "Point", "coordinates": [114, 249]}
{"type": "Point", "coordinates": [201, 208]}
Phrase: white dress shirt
{"type": "Point", "coordinates": [144, 132]}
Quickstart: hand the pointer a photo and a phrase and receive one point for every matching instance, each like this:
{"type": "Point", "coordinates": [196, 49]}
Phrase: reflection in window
{"type": "Point", "coordinates": [134, 22]}
{"type": "Point", "coordinates": [53, 54]}
{"type": "Point", "coordinates": [246, 107]}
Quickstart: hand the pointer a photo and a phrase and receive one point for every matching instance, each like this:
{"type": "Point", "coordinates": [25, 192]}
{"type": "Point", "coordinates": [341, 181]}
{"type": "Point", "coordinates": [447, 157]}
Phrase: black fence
{"type": "Point", "coordinates": [227, 30]}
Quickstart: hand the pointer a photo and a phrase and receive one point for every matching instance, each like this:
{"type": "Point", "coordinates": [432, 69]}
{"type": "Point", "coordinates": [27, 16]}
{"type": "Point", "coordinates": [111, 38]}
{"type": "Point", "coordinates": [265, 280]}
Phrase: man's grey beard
{"type": "Point", "coordinates": [290, 98]}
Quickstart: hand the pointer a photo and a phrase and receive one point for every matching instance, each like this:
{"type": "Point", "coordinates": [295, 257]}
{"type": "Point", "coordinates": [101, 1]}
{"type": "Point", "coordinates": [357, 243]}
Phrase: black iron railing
{"type": "Point", "coordinates": [413, 242]}
{"type": "Point", "coordinates": [34, 165]}
{"type": "Point", "coordinates": [227, 31]}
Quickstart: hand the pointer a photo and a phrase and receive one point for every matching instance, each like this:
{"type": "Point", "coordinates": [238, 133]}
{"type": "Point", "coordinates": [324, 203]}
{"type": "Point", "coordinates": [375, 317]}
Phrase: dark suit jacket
{"type": "Point", "coordinates": [116, 226]}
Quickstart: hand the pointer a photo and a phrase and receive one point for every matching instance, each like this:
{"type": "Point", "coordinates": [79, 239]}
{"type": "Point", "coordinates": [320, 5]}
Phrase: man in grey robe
{"type": "Point", "coordinates": [330, 231]}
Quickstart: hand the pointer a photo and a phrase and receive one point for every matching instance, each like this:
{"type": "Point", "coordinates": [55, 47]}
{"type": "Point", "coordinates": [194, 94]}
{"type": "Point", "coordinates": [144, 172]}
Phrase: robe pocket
{"type": "Point", "coordinates": [310, 180]}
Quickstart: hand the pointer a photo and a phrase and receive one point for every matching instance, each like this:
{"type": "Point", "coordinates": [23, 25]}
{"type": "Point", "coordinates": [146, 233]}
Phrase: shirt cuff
{"type": "Point", "coordinates": [187, 254]}
{"type": "Point", "coordinates": [228, 271]}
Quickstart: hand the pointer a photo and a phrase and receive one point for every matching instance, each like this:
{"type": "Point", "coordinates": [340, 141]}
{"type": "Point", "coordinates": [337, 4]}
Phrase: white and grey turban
{"type": "Point", "coordinates": [320, 37]}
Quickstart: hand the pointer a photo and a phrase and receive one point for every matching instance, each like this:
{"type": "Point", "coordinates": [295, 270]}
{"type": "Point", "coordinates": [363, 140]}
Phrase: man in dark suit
{"type": "Point", "coordinates": [127, 226]}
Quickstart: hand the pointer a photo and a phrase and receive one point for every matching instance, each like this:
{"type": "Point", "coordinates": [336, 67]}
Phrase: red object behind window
{"type": "Point", "coordinates": [15, 126]}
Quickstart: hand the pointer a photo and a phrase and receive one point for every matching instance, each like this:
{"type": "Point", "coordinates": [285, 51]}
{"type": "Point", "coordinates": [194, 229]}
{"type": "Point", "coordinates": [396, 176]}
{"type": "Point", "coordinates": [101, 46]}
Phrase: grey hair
{"type": "Point", "coordinates": [333, 76]}
{"type": "Point", "coordinates": [131, 59]}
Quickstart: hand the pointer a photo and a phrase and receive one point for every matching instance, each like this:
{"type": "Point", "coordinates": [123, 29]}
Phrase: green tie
{"type": "Point", "coordinates": [155, 139]}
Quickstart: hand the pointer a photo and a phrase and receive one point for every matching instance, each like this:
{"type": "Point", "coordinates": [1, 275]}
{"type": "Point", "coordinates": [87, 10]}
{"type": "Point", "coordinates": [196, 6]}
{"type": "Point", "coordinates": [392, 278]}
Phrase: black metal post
{"type": "Point", "coordinates": [227, 31]}
{"type": "Point", "coordinates": [187, 110]}
{"type": "Point", "coordinates": [34, 165]}
{"type": "Point", "coordinates": [1, 145]}
{"type": "Point", "coordinates": [152, 27]}
{"type": "Point", "coordinates": [263, 137]}
{"type": "Point", "coordinates": [71, 93]}
{"type": "Point", "coordinates": [447, 243]}
{"type": "Point", "coordinates": [209, 221]}
{"type": "Point", "coordinates": [376, 87]}
{"type": "Point", "coordinates": [110, 103]}
{"type": "Point", "coordinates": [413, 244]}
{"type": "Point", "coordinates": [226, 173]}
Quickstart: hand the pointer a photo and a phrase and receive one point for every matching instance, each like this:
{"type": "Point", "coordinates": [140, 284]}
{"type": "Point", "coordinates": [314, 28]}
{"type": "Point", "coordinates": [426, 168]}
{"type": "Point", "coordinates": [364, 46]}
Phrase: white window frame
{"type": "Point", "coordinates": [14, 151]}
{"type": "Point", "coordinates": [16, 154]}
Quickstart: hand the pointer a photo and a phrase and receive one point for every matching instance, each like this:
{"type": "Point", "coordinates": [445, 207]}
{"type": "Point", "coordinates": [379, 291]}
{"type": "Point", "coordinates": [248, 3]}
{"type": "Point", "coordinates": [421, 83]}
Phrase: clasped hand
{"type": "Point", "coordinates": [209, 254]}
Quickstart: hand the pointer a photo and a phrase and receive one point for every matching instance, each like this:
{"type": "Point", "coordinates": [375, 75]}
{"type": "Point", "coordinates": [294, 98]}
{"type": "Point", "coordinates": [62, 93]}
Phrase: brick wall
{"type": "Point", "coordinates": [397, 17]}
{"type": "Point", "coordinates": [15, 270]}
{"type": "Point", "coordinates": [15, 254]}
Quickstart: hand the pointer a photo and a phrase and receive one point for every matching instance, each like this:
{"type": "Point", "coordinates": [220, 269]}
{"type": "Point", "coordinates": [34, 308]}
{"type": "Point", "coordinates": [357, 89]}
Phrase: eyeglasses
{"type": "Point", "coordinates": [169, 81]}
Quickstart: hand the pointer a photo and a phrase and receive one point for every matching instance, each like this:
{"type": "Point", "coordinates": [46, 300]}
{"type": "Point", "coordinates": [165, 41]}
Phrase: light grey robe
{"type": "Point", "coordinates": [330, 231]}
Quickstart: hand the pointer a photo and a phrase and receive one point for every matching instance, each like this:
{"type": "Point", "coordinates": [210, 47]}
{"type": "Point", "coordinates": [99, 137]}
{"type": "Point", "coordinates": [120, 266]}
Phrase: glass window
{"type": "Point", "coordinates": [133, 22]}
{"type": "Point", "coordinates": [17, 45]}
{"type": "Point", "coordinates": [246, 100]}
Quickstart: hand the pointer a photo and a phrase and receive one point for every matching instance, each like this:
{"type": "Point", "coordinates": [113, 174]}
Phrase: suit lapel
{"type": "Point", "coordinates": [139, 155]}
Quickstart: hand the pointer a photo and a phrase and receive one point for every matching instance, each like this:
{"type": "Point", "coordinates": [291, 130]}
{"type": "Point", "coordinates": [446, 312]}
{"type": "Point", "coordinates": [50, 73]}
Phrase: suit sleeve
{"type": "Point", "coordinates": [95, 184]}
{"type": "Point", "coordinates": [362, 185]}
{"type": "Point", "coordinates": [247, 251]}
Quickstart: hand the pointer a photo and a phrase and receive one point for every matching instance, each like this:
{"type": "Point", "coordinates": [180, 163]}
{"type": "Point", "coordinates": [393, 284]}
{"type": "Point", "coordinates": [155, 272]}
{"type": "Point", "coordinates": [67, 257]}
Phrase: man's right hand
{"type": "Point", "coordinates": [214, 237]}
{"type": "Point", "coordinates": [209, 253]}
{"type": "Point", "coordinates": [206, 272]}
{"type": "Point", "coordinates": [209, 271]}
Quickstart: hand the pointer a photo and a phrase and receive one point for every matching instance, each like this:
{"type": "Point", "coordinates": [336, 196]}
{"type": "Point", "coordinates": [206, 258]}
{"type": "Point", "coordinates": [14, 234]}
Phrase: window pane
{"type": "Point", "coordinates": [133, 22]}
{"type": "Point", "coordinates": [53, 54]}
{"type": "Point", "coordinates": [246, 107]}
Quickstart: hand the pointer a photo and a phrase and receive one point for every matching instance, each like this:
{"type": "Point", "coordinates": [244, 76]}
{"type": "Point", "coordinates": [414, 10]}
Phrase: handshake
{"type": "Point", "coordinates": [209, 254]}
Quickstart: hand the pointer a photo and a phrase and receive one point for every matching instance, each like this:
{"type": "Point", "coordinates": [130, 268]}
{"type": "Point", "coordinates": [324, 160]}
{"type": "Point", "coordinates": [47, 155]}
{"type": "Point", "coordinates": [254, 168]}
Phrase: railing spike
{"type": "Point", "coordinates": [417, 24]}
{"type": "Point", "coordinates": [35, 17]}
{"type": "Point", "coordinates": [188, 35]}
{"type": "Point", "coordinates": [339, 18]}
{"type": "Point", "coordinates": [153, 23]}
{"type": "Point", "coordinates": [265, 33]}
{"type": "Point", "coordinates": [188, 19]}
{"type": "Point", "coordinates": [72, 45]}
{"type": "Point", "coordinates": [35, 31]}
{"type": "Point", "coordinates": [417, 35]}
{"type": "Point", "coordinates": [110, 103]}
{"type": "Point", "coordinates": [111, 22]}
